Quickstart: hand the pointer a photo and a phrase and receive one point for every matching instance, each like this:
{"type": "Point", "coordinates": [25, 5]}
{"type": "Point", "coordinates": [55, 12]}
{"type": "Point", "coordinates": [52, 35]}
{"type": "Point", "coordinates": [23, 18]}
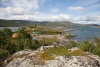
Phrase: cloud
{"type": "Point", "coordinates": [19, 7]}
{"type": "Point", "coordinates": [12, 11]}
{"type": "Point", "coordinates": [26, 4]}
{"type": "Point", "coordinates": [87, 20]}
{"type": "Point", "coordinates": [87, 2]}
{"type": "Point", "coordinates": [76, 8]}
{"type": "Point", "coordinates": [42, 2]}
{"type": "Point", "coordinates": [41, 17]}
{"type": "Point", "coordinates": [54, 10]}
{"type": "Point", "coordinates": [95, 6]}
{"type": "Point", "coordinates": [61, 17]}
{"type": "Point", "coordinates": [15, 11]}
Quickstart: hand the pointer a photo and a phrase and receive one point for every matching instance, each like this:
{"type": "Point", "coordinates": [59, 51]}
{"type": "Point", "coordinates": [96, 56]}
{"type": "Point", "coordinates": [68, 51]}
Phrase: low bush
{"type": "Point", "coordinates": [86, 46]}
{"type": "Point", "coordinates": [3, 53]}
{"type": "Point", "coordinates": [71, 44]}
{"type": "Point", "coordinates": [96, 51]}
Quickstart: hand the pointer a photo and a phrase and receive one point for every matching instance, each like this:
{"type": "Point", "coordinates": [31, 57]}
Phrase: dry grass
{"type": "Point", "coordinates": [37, 60]}
{"type": "Point", "coordinates": [47, 56]}
{"type": "Point", "coordinates": [9, 59]}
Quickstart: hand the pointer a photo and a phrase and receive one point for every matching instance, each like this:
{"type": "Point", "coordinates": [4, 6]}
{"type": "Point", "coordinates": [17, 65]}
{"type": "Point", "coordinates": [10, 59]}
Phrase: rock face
{"type": "Point", "coordinates": [74, 61]}
{"type": "Point", "coordinates": [26, 59]}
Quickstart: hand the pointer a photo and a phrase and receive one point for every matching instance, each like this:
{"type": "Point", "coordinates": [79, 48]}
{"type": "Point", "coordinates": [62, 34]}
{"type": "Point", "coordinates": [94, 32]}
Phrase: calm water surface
{"type": "Point", "coordinates": [85, 33]}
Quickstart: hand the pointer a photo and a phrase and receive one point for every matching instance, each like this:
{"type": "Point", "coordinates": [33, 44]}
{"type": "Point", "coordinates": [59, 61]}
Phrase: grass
{"type": "Point", "coordinates": [45, 41]}
{"type": "Point", "coordinates": [37, 60]}
{"type": "Point", "coordinates": [59, 51]}
{"type": "Point", "coordinates": [46, 30]}
{"type": "Point", "coordinates": [69, 36]}
{"type": "Point", "coordinates": [40, 58]}
{"type": "Point", "coordinates": [47, 56]}
{"type": "Point", "coordinates": [76, 53]}
{"type": "Point", "coordinates": [48, 41]}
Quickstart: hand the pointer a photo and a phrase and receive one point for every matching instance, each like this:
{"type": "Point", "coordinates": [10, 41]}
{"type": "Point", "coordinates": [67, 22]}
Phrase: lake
{"type": "Point", "coordinates": [12, 28]}
{"type": "Point", "coordinates": [85, 33]}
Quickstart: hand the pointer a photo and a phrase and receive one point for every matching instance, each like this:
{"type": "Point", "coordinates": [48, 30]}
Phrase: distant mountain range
{"type": "Point", "coordinates": [7, 23]}
{"type": "Point", "coordinates": [17, 23]}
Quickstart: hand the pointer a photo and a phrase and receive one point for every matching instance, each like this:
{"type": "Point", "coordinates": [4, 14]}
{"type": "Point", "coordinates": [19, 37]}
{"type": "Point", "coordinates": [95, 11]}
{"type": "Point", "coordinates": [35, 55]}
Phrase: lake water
{"type": "Point", "coordinates": [12, 28]}
{"type": "Point", "coordinates": [85, 33]}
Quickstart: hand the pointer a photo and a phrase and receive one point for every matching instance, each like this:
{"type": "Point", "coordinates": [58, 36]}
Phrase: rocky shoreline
{"type": "Point", "coordinates": [60, 61]}
{"type": "Point", "coordinates": [29, 58]}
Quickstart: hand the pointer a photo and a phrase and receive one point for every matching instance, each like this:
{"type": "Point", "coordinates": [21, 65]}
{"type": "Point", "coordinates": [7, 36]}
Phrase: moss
{"type": "Point", "coordinates": [47, 56]}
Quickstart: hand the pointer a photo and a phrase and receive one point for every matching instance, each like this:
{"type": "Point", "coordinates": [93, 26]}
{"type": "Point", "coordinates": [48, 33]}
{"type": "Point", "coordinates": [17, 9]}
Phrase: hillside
{"type": "Point", "coordinates": [7, 23]}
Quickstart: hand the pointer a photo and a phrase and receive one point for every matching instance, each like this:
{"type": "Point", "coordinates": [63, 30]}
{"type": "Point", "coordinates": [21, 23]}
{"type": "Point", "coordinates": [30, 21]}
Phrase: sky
{"type": "Point", "coordinates": [76, 11]}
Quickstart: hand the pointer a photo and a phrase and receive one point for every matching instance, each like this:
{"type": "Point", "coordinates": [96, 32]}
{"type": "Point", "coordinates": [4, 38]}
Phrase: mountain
{"type": "Point", "coordinates": [9, 23]}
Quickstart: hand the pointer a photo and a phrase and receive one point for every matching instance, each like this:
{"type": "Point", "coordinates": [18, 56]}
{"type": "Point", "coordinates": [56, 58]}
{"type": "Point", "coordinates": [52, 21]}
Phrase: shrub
{"type": "Point", "coordinates": [97, 41]}
{"type": "Point", "coordinates": [86, 46]}
{"type": "Point", "coordinates": [3, 53]}
{"type": "Point", "coordinates": [96, 51]}
{"type": "Point", "coordinates": [71, 44]}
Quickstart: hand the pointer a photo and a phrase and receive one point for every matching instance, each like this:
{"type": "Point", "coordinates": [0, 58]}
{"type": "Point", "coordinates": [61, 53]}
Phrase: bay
{"type": "Point", "coordinates": [85, 33]}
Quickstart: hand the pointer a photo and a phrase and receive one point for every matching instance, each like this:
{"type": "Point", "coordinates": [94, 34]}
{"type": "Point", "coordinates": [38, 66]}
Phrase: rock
{"type": "Point", "coordinates": [60, 61]}
{"type": "Point", "coordinates": [74, 48]}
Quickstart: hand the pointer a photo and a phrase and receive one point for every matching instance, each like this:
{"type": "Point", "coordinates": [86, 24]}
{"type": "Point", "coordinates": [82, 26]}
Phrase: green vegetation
{"type": "Point", "coordinates": [86, 46]}
{"type": "Point", "coordinates": [93, 47]}
{"type": "Point", "coordinates": [59, 51]}
{"type": "Point", "coordinates": [47, 56]}
{"type": "Point", "coordinates": [45, 30]}
{"type": "Point", "coordinates": [44, 42]}
{"type": "Point", "coordinates": [68, 36]}
{"type": "Point", "coordinates": [71, 44]}
{"type": "Point", "coordinates": [10, 45]}
{"type": "Point", "coordinates": [48, 41]}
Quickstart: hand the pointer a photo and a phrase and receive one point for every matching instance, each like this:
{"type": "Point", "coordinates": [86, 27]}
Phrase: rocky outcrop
{"type": "Point", "coordinates": [28, 58]}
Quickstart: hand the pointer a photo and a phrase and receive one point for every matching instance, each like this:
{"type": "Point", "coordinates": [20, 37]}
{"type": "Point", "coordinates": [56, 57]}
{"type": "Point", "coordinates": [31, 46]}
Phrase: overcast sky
{"type": "Point", "coordinates": [76, 11]}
